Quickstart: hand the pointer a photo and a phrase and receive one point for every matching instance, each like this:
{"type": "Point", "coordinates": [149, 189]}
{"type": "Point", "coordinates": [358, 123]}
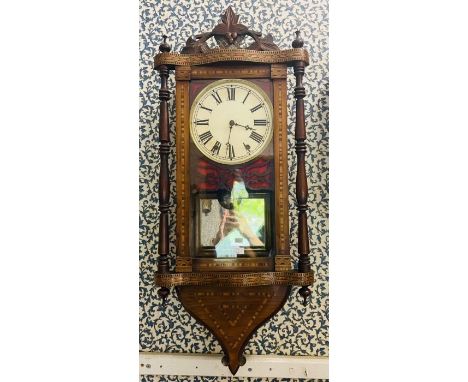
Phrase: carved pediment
{"type": "Point", "coordinates": [229, 34]}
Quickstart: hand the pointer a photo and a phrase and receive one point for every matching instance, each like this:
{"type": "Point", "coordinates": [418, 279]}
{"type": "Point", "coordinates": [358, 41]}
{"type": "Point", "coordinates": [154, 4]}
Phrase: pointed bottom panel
{"type": "Point", "coordinates": [233, 314]}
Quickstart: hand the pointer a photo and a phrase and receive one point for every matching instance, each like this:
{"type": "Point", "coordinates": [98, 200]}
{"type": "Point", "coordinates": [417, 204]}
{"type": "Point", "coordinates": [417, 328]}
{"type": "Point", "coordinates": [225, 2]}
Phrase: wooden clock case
{"type": "Point", "coordinates": [232, 297]}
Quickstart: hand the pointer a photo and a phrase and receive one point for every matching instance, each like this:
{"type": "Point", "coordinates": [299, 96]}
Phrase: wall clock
{"type": "Point", "coordinates": [233, 268]}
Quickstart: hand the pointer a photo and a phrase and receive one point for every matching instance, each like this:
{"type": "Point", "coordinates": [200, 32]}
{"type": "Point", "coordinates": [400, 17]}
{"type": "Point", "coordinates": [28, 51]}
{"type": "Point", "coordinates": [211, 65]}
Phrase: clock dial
{"type": "Point", "coordinates": [231, 121]}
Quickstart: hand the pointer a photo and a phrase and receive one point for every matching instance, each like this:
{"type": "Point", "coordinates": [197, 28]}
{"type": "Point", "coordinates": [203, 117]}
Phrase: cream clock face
{"type": "Point", "coordinates": [231, 121]}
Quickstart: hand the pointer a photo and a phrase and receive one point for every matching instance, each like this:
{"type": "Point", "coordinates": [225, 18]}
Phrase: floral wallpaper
{"type": "Point", "coordinates": [295, 330]}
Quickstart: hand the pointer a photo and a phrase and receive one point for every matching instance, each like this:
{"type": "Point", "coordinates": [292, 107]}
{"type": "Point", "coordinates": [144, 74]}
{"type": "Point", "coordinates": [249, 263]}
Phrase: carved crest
{"type": "Point", "coordinates": [229, 34]}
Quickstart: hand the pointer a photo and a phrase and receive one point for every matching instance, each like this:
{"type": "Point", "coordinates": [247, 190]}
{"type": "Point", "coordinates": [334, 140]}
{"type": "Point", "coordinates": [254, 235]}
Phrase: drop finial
{"type": "Point", "coordinates": [305, 293]}
{"type": "Point", "coordinates": [163, 293]}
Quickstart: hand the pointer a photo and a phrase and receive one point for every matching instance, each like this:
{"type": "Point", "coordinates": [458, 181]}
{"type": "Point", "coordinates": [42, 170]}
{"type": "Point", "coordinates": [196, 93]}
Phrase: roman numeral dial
{"type": "Point", "coordinates": [231, 93]}
{"type": "Point", "coordinates": [256, 136]}
{"type": "Point", "coordinates": [206, 137]}
{"type": "Point", "coordinates": [216, 97]}
{"type": "Point", "coordinates": [231, 121]}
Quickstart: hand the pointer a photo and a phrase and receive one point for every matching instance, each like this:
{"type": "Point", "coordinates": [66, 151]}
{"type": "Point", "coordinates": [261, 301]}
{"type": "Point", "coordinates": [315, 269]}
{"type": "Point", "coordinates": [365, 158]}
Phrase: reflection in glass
{"type": "Point", "coordinates": [233, 222]}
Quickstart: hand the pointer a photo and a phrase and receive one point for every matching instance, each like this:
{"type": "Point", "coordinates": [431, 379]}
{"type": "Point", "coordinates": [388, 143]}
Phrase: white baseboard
{"type": "Point", "coordinates": [256, 366]}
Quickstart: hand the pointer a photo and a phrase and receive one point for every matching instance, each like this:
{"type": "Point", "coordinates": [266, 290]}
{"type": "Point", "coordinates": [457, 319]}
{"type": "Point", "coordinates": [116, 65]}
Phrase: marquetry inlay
{"type": "Point", "coordinates": [182, 180]}
{"type": "Point", "coordinates": [235, 279]}
{"type": "Point", "coordinates": [227, 55]}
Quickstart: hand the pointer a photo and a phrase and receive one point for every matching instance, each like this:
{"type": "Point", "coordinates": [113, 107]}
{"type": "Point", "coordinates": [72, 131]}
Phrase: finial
{"type": "Point", "coordinates": [164, 47]}
{"type": "Point", "coordinates": [163, 293]}
{"type": "Point", "coordinates": [305, 293]}
{"type": "Point", "coordinates": [298, 41]}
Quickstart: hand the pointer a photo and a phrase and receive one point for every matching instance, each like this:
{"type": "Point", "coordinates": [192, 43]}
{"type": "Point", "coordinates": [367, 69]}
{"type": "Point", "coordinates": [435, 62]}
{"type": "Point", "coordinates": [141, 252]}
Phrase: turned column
{"type": "Point", "coordinates": [164, 147]}
{"type": "Point", "coordinates": [301, 177]}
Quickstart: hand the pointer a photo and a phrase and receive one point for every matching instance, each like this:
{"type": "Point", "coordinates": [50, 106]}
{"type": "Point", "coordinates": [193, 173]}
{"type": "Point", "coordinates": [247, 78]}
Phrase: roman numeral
{"type": "Point", "coordinates": [201, 122]}
{"type": "Point", "coordinates": [231, 94]}
{"type": "Point", "coordinates": [260, 122]}
{"type": "Point", "coordinates": [216, 147]}
{"type": "Point", "coordinates": [254, 109]}
{"type": "Point", "coordinates": [216, 96]}
{"type": "Point", "coordinates": [256, 136]}
{"type": "Point", "coordinates": [206, 137]}
{"type": "Point", "coordinates": [206, 108]}
{"type": "Point", "coordinates": [231, 151]}
{"type": "Point", "coordinates": [246, 96]}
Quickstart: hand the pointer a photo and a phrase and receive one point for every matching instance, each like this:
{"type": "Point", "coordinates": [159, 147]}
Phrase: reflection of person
{"type": "Point", "coordinates": [234, 233]}
{"type": "Point", "coordinates": [232, 220]}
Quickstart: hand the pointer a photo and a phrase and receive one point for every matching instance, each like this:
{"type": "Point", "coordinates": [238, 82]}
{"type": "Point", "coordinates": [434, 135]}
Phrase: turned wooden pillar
{"type": "Point", "coordinates": [164, 147]}
{"type": "Point", "coordinates": [301, 177]}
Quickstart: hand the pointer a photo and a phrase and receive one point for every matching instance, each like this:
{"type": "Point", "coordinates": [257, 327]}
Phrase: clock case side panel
{"type": "Point", "coordinates": [183, 259]}
{"type": "Point", "coordinates": [282, 258]}
{"type": "Point", "coordinates": [277, 74]}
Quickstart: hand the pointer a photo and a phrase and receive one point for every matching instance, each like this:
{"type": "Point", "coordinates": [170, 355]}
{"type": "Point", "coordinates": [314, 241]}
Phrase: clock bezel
{"type": "Point", "coordinates": [265, 99]}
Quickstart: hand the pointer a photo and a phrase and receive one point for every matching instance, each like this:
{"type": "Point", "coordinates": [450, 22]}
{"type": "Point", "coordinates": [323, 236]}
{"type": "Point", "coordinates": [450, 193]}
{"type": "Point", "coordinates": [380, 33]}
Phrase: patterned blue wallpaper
{"type": "Point", "coordinates": [295, 330]}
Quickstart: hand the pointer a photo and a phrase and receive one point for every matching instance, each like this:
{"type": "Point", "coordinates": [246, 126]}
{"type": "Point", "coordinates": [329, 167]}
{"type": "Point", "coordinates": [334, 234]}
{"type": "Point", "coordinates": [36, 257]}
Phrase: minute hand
{"type": "Point", "coordinates": [247, 127]}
